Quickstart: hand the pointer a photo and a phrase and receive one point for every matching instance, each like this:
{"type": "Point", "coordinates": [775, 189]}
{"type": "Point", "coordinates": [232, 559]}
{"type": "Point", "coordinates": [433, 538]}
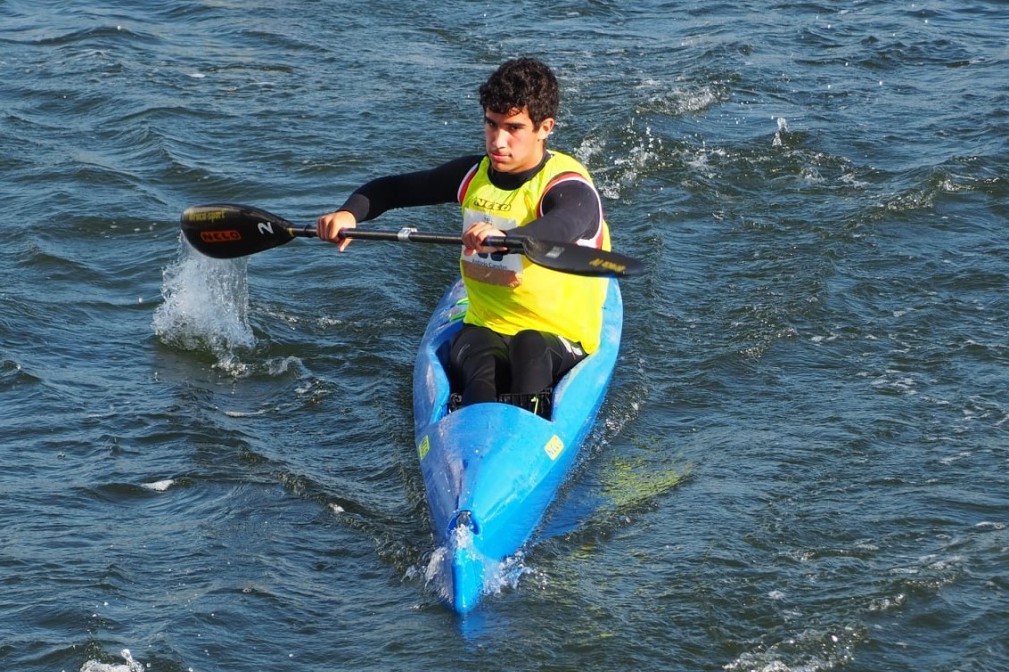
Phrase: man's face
{"type": "Point", "coordinates": [512, 142]}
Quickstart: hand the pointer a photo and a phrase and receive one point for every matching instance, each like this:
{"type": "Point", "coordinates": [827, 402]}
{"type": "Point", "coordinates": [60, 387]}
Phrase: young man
{"type": "Point", "coordinates": [526, 325]}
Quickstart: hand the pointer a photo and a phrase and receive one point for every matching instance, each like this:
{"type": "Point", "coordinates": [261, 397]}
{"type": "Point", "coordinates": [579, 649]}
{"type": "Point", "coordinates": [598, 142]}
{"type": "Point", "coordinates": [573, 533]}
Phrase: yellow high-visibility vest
{"type": "Point", "coordinates": [508, 293]}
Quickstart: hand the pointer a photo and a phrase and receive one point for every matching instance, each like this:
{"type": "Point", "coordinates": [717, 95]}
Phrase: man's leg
{"type": "Point", "coordinates": [478, 362]}
{"type": "Point", "coordinates": [539, 359]}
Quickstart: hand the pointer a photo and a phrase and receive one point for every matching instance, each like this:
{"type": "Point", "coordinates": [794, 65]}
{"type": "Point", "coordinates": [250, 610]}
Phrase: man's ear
{"type": "Point", "coordinates": [545, 129]}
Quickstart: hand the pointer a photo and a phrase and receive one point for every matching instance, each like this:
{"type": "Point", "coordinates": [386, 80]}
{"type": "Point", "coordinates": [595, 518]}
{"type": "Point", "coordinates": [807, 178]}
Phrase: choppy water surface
{"type": "Point", "coordinates": [802, 462]}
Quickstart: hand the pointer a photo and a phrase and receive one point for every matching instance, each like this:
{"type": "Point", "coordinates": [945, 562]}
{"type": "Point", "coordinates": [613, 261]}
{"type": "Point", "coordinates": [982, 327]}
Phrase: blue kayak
{"type": "Point", "coordinates": [491, 470]}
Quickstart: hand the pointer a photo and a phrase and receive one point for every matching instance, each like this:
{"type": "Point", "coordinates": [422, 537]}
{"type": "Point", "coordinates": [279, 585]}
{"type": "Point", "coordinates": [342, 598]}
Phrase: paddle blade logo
{"type": "Point", "coordinates": [607, 265]}
{"type": "Point", "coordinates": [220, 236]}
{"type": "Point", "coordinates": [200, 213]}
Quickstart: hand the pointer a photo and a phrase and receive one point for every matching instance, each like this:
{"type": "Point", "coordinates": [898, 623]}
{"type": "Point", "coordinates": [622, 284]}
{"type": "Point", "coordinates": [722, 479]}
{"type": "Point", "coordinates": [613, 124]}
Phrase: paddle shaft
{"type": "Point", "coordinates": [407, 236]}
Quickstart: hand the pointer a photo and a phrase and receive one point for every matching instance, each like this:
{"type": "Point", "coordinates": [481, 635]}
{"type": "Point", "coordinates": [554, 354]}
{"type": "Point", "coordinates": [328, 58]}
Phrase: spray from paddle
{"type": "Point", "coordinates": [206, 306]}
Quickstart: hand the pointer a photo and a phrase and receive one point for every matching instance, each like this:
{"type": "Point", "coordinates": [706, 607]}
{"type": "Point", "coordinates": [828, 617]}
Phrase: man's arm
{"type": "Point", "coordinates": [571, 211]}
{"type": "Point", "coordinates": [425, 187]}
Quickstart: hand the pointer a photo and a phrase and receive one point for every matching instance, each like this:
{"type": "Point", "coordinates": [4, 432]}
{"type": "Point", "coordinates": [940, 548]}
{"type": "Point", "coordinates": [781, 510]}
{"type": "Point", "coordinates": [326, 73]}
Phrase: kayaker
{"type": "Point", "coordinates": [526, 325]}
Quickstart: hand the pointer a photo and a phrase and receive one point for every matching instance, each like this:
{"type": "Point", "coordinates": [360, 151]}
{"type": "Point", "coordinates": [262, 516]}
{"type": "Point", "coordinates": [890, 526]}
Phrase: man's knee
{"type": "Point", "coordinates": [476, 342]}
{"type": "Point", "coordinates": [528, 346]}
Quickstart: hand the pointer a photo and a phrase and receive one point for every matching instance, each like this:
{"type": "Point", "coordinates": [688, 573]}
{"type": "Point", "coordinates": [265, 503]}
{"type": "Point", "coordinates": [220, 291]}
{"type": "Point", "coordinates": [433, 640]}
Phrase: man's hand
{"type": "Point", "coordinates": [476, 234]}
{"type": "Point", "coordinates": [330, 226]}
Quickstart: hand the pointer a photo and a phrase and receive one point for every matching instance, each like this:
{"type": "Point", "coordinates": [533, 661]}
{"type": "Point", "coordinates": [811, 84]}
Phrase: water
{"type": "Point", "coordinates": [801, 464]}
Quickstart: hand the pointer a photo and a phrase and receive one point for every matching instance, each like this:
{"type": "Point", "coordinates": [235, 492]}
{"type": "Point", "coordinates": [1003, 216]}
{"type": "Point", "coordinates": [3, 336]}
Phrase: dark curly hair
{"type": "Point", "coordinates": [519, 83]}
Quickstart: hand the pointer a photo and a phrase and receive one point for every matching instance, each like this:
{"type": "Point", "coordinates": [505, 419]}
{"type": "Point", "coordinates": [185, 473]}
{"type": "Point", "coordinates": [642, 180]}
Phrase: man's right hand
{"type": "Point", "coordinates": [472, 239]}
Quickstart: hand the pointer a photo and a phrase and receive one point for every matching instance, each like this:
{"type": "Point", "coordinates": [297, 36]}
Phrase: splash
{"type": "Point", "coordinates": [437, 575]}
{"type": "Point", "coordinates": [130, 665]}
{"type": "Point", "coordinates": [781, 133]}
{"type": "Point", "coordinates": [640, 153]}
{"type": "Point", "coordinates": [811, 650]}
{"type": "Point", "coordinates": [497, 575]}
{"type": "Point", "coordinates": [505, 575]}
{"type": "Point", "coordinates": [206, 305]}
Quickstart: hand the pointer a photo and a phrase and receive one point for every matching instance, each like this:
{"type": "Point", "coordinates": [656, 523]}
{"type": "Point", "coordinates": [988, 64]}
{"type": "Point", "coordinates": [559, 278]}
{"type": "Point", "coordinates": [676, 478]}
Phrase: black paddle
{"type": "Point", "coordinates": [228, 230]}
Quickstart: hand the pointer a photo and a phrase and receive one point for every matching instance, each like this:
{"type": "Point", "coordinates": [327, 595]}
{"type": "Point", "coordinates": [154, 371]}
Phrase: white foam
{"type": "Point", "coordinates": [130, 665]}
{"type": "Point", "coordinates": [160, 486]}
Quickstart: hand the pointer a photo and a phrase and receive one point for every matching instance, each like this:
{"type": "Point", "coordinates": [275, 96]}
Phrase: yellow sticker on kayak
{"type": "Point", "coordinates": [423, 447]}
{"type": "Point", "coordinates": [554, 447]}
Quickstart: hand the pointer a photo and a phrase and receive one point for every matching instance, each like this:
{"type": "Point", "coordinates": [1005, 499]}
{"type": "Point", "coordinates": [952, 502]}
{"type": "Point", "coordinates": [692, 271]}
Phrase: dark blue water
{"type": "Point", "coordinates": [802, 462]}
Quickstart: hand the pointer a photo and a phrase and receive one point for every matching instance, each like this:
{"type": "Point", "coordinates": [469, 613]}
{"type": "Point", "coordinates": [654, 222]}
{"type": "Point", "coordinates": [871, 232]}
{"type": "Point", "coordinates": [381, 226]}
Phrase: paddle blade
{"type": "Point", "coordinates": [228, 230]}
{"type": "Point", "coordinates": [580, 260]}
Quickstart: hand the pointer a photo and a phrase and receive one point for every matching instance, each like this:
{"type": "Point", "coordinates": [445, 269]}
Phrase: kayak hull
{"type": "Point", "coordinates": [491, 470]}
